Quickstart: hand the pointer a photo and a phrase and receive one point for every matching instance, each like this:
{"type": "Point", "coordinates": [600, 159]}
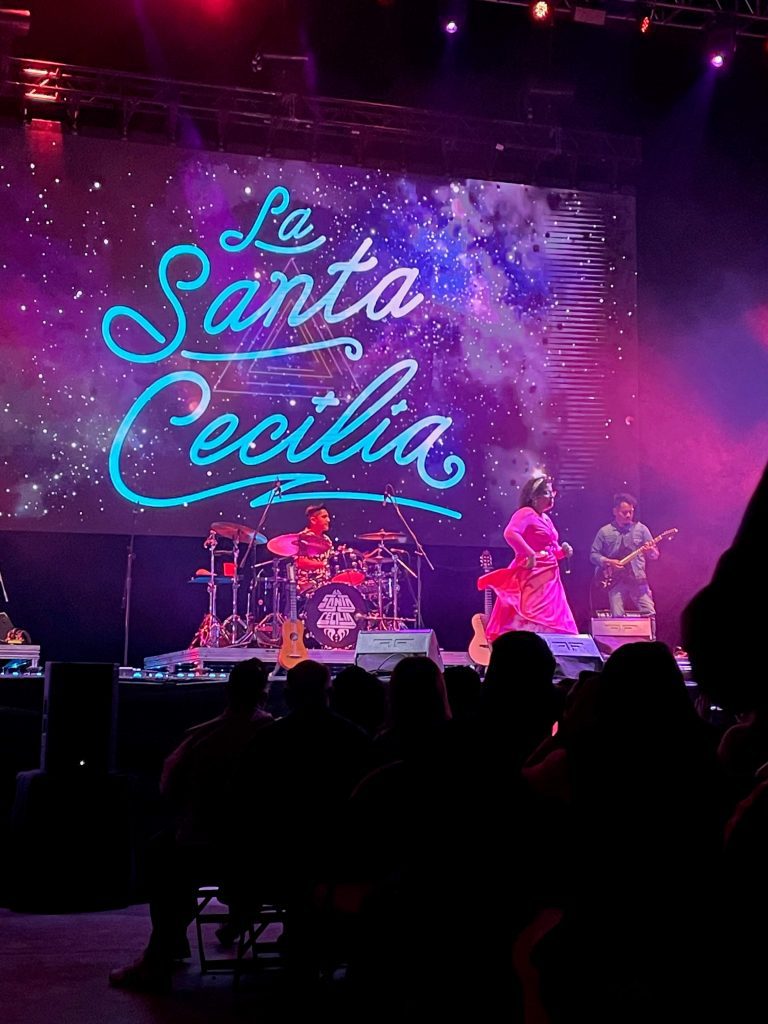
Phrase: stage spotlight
{"type": "Point", "coordinates": [644, 19]}
{"type": "Point", "coordinates": [541, 11]}
{"type": "Point", "coordinates": [721, 45]}
{"type": "Point", "coordinates": [451, 27]}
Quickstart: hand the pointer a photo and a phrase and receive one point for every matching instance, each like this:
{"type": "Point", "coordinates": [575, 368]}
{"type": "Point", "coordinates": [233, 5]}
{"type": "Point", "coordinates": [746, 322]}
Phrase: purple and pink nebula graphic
{"type": "Point", "coordinates": [182, 329]}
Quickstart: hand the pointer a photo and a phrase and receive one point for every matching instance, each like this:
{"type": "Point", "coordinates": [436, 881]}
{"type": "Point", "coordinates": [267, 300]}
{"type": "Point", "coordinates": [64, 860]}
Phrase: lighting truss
{"type": "Point", "coordinates": [312, 127]}
{"type": "Point", "coordinates": [748, 17]}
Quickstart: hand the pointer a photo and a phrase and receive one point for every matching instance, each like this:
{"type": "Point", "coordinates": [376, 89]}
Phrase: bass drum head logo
{"type": "Point", "coordinates": [334, 615]}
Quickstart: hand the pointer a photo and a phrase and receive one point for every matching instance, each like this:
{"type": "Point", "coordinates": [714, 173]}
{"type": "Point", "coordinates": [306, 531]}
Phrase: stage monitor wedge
{"type": "Point", "coordinates": [574, 652]}
{"type": "Point", "coordinates": [612, 632]}
{"type": "Point", "coordinates": [79, 717]}
{"type": "Point", "coordinates": [379, 651]}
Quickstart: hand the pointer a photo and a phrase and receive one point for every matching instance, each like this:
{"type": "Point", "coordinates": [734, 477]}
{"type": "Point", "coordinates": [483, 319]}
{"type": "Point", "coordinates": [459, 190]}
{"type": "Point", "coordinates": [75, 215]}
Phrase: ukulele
{"type": "Point", "coordinates": [610, 570]}
{"type": "Point", "coordinates": [292, 649]}
{"type": "Point", "coordinates": [479, 649]}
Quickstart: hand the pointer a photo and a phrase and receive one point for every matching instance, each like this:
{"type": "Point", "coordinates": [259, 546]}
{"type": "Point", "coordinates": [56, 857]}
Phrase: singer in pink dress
{"type": "Point", "coordinates": [529, 592]}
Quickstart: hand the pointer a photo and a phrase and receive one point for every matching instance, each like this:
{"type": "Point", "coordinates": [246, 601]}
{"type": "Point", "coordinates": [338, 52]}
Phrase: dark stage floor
{"type": "Point", "coordinates": [54, 968]}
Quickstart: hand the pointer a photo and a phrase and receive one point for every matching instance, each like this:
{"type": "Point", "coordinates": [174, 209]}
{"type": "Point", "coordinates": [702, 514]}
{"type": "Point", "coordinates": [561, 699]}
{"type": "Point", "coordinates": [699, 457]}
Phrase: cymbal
{"type": "Point", "coordinates": [377, 559]}
{"type": "Point", "coordinates": [238, 532]}
{"type": "Point", "coordinates": [288, 544]}
{"type": "Point", "coordinates": [382, 535]}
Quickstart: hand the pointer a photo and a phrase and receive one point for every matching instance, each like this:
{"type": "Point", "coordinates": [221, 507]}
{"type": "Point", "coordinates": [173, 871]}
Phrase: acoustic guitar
{"type": "Point", "coordinates": [609, 572]}
{"type": "Point", "coordinates": [292, 649]}
{"type": "Point", "coordinates": [479, 649]}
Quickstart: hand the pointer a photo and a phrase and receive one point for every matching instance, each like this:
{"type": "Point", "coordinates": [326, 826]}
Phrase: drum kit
{"type": "Point", "coordinates": [345, 590]}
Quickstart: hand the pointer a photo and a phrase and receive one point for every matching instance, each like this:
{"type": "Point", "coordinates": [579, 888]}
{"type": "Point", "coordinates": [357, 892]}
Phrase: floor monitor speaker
{"type": "Point", "coordinates": [610, 632]}
{"type": "Point", "coordinates": [379, 651]}
{"type": "Point", "coordinates": [573, 653]}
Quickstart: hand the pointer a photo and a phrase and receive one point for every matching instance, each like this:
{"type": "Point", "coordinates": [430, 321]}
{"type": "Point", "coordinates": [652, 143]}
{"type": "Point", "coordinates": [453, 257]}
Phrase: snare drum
{"type": "Point", "coordinates": [335, 614]}
{"type": "Point", "coordinates": [346, 567]}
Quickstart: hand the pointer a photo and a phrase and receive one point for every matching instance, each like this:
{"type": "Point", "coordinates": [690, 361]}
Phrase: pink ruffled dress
{"type": "Point", "coordinates": [530, 599]}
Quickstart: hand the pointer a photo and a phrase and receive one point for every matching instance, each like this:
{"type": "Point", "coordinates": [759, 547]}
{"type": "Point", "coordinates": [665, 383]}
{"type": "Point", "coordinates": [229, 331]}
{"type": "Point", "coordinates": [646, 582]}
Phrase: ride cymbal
{"type": "Point", "coordinates": [238, 532]}
{"type": "Point", "coordinates": [383, 535]}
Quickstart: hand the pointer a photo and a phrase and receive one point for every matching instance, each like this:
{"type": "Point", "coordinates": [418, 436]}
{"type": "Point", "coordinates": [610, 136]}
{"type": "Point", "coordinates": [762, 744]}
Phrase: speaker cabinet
{"type": "Point", "coordinates": [379, 651]}
{"type": "Point", "coordinates": [574, 652]}
{"type": "Point", "coordinates": [79, 718]}
{"type": "Point", "coordinates": [611, 633]}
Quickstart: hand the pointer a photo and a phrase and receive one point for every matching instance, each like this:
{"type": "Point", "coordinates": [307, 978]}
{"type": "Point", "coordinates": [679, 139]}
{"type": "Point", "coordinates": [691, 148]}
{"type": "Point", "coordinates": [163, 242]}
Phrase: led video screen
{"type": "Point", "coordinates": [186, 335]}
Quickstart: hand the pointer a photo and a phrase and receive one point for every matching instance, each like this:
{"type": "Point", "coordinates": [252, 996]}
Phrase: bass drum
{"type": "Point", "coordinates": [335, 614]}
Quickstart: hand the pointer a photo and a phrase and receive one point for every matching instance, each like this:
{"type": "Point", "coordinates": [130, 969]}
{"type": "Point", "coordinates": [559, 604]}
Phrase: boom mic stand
{"type": "Point", "coordinates": [250, 636]}
{"type": "Point", "coordinates": [277, 490]}
{"type": "Point", "coordinates": [390, 496]}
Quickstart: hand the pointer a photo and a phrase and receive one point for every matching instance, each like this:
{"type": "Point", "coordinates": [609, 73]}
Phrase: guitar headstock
{"type": "Point", "coordinates": [668, 534]}
{"type": "Point", "coordinates": [486, 561]}
{"type": "Point", "coordinates": [290, 570]}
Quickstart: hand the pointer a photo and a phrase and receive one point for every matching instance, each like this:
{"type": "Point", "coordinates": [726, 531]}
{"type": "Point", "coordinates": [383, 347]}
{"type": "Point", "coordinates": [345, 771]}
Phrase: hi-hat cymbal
{"type": "Point", "coordinates": [382, 535]}
{"type": "Point", "coordinates": [288, 544]}
{"type": "Point", "coordinates": [377, 559]}
{"type": "Point", "coordinates": [238, 532]}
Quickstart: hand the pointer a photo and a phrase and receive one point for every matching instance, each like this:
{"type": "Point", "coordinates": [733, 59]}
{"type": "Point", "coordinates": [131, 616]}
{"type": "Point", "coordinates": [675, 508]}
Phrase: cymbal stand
{"type": "Point", "coordinates": [210, 633]}
{"type": "Point", "coordinates": [266, 631]}
{"type": "Point", "coordinates": [250, 616]}
{"type": "Point", "coordinates": [391, 497]}
{"type": "Point", "coordinates": [397, 563]}
{"type": "Point", "coordinates": [377, 621]}
{"type": "Point", "coordinates": [234, 628]}
{"type": "Point", "coordinates": [272, 621]}
{"type": "Point", "coordinates": [277, 617]}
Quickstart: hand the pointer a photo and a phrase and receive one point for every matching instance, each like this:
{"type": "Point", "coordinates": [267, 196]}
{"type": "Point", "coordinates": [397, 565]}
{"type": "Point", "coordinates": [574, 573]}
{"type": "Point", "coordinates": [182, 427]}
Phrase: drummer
{"type": "Point", "coordinates": [314, 548]}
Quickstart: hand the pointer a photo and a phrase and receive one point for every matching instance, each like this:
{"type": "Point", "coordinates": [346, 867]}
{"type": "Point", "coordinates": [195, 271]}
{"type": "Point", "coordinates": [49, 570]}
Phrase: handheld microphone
{"type": "Point", "coordinates": [278, 488]}
{"type": "Point", "coordinates": [389, 492]}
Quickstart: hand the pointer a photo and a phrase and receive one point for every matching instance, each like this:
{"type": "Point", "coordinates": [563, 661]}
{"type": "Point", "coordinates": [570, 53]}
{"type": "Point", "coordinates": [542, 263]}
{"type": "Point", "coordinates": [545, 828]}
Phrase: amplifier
{"type": "Point", "coordinates": [380, 650]}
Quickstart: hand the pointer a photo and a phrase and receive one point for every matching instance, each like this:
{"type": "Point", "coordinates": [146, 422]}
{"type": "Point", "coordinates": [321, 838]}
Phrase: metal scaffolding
{"type": "Point", "coordinates": [748, 18]}
{"type": "Point", "coordinates": [290, 124]}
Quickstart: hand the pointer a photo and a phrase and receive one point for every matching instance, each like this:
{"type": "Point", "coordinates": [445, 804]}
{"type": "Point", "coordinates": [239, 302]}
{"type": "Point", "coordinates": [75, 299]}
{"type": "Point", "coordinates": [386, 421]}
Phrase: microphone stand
{"type": "Point", "coordinates": [127, 591]}
{"type": "Point", "coordinates": [277, 490]}
{"type": "Point", "coordinates": [397, 563]}
{"type": "Point", "coordinates": [2, 587]}
{"type": "Point", "coordinates": [250, 619]}
{"type": "Point", "coordinates": [390, 496]}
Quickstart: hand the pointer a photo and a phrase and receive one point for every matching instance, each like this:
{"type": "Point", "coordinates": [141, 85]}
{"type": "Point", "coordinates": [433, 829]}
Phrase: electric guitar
{"type": "Point", "coordinates": [479, 649]}
{"type": "Point", "coordinates": [292, 649]}
{"type": "Point", "coordinates": [609, 572]}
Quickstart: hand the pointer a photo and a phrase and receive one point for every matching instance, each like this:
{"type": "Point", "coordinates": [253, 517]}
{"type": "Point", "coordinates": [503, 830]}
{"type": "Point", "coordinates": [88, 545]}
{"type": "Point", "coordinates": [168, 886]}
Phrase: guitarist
{"type": "Point", "coordinates": [615, 541]}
